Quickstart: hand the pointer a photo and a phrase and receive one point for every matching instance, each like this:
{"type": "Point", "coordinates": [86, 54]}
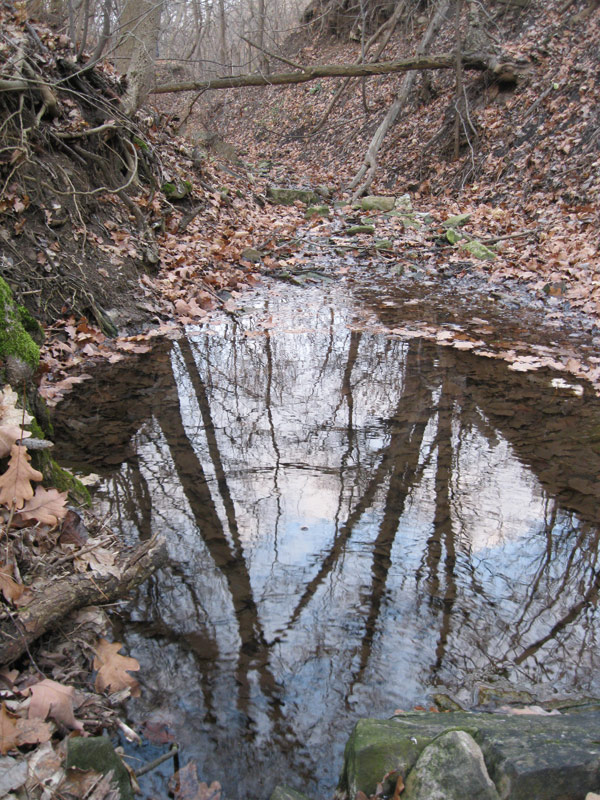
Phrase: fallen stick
{"type": "Point", "coordinates": [61, 597]}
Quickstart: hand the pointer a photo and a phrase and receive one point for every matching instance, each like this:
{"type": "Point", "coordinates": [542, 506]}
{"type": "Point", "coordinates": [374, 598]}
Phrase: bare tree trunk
{"type": "Point", "coordinates": [226, 66]}
{"type": "Point", "coordinates": [459, 82]}
{"type": "Point", "coordinates": [369, 166]}
{"type": "Point", "coordinates": [138, 48]}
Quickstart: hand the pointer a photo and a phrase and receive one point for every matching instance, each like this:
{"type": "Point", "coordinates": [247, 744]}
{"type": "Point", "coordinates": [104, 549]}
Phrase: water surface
{"type": "Point", "coordinates": [354, 521]}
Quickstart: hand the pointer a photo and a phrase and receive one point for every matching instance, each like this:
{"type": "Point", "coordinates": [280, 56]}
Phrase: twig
{"type": "Point", "coordinates": [108, 126]}
{"type": "Point", "coordinates": [157, 761]}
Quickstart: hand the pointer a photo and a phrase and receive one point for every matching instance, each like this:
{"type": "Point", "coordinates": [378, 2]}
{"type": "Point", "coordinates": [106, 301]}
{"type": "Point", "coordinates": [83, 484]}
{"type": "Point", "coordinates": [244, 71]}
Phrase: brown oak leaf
{"type": "Point", "coordinates": [113, 669]}
{"type": "Point", "coordinates": [8, 731]}
{"type": "Point", "coordinates": [11, 590]}
{"type": "Point", "coordinates": [50, 698]}
{"type": "Point", "coordinates": [15, 483]}
{"type": "Point", "coordinates": [47, 506]}
{"type": "Point", "coordinates": [9, 434]}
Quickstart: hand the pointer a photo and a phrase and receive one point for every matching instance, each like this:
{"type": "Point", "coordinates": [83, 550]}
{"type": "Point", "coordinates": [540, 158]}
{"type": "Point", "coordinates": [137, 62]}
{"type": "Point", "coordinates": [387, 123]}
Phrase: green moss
{"type": "Point", "coordinates": [64, 481]}
{"type": "Point", "coordinates": [55, 477]}
{"type": "Point", "coordinates": [14, 338]}
{"type": "Point", "coordinates": [31, 325]}
{"type": "Point", "coordinates": [140, 143]}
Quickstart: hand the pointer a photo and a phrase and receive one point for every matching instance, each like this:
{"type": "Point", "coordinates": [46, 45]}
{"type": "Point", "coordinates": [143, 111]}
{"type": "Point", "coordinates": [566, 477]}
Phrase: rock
{"type": "Point", "coordinates": [251, 254]}
{"type": "Point", "coordinates": [527, 757]}
{"type": "Point", "coordinates": [445, 703]}
{"type": "Point", "coordinates": [316, 211]}
{"type": "Point", "coordinates": [176, 190]}
{"type": "Point", "coordinates": [450, 768]}
{"type": "Point", "coordinates": [353, 230]}
{"type": "Point", "coordinates": [456, 221]}
{"type": "Point", "coordinates": [287, 793]}
{"type": "Point", "coordinates": [453, 236]}
{"type": "Point", "coordinates": [404, 203]}
{"type": "Point", "coordinates": [496, 695]}
{"type": "Point", "coordinates": [97, 753]}
{"type": "Point", "coordinates": [479, 250]}
{"type": "Point", "coordinates": [377, 203]}
{"type": "Point", "coordinates": [288, 197]}
{"type": "Point", "coordinates": [375, 748]}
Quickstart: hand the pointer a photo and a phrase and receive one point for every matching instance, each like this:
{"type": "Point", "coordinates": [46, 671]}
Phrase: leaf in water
{"type": "Point", "coordinates": [47, 506]}
{"type": "Point", "coordinates": [8, 731]}
{"type": "Point", "coordinates": [113, 669]}
{"type": "Point", "coordinates": [50, 698]}
{"type": "Point", "coordinates": [15, 483]}
{"type": "Point", "coordinates": [186, 786]}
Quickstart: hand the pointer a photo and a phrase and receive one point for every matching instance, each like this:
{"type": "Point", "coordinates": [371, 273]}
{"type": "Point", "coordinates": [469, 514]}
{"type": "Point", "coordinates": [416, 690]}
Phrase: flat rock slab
{"type": "Point", "coordinates": [528, 757]}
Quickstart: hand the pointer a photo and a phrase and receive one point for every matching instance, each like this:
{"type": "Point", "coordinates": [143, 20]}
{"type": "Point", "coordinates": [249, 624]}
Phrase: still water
{"type": "Point", "coordinates": [354, 521]}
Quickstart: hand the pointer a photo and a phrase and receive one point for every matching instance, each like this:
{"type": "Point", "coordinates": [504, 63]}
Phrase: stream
{"type": "Point", "coordinates": [355, 520]}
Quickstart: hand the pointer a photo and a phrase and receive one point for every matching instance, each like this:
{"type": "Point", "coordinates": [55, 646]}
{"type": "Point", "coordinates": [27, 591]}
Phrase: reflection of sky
{"type": "Point", "coordinates": [392, 615]}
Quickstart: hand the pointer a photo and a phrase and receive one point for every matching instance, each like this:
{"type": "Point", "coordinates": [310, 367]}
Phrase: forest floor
{"type": "Point", "coordinates": [107, 272]}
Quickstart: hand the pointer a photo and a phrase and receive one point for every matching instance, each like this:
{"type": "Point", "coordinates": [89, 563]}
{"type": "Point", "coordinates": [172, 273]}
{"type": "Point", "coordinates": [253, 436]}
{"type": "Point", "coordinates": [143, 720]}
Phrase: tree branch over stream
{"type": "Point", "coordinates": [475, 61]}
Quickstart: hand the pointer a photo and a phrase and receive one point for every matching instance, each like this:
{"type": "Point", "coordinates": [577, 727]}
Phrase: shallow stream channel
{"type": "Point", "coordinates": [356, 519]}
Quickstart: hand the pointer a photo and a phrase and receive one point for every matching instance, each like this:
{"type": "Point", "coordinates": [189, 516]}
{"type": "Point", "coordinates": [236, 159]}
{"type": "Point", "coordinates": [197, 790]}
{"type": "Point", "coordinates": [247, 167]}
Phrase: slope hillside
{"type": "Point", "coordinates": [528, 163]}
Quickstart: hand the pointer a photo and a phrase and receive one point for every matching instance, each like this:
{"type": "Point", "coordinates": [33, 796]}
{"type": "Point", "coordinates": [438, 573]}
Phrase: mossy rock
{"type": "Point", "coordinates": [457, 221]}
{"type": "Point", "coordinates": [480, 251]}
{"type": "Point", "coordinates": [453, 236]}
{"type": "Point", "coordinates": [97, 753]}
{"type": "Point", "coordinates": [176, 190]}
{"type": "Point", "coordinates": [376, 203]}
{"type": "Point", "coordinates": [353, 230]}
{"type": "Point", "coordinates": [287, 197]}
{"type": "Point", "coordinates": [316, 211]}
{"type": "Point", "coordinates": [251, 254]}
{"type": "Point", "coordinates": [16, 342]}
{"type": "Point", "coordinates": [375, 748]}
{"type": "Point", "coordinates": [545, 757]}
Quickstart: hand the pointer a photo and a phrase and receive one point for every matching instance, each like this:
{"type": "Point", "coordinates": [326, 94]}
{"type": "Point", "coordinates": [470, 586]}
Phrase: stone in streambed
{"type": "Point", "coordinates": [450, 768]}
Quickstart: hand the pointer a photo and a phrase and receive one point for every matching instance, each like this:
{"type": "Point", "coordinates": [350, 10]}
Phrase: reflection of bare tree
{"type": "Point", "coordinates": [253, 651]}
{"type": "Point", "coordinates": [402, 457]}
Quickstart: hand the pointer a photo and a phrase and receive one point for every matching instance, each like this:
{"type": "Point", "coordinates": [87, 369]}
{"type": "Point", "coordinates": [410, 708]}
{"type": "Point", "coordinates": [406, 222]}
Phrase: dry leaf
{"type": "Point", "coordinates": [33, 731]}
{"type": "Point", "coordinates": [9, 434]}
{"type": "Point", "coordinates": [8, 731]}
{"type": "Point", "coordinates": [113, 669]}
{"type": "Point", "coordinates": [15, 483]}
{"type": "Point", "coordinates": [10, 414]}
{"type": "Point", "coordinates": [50, 698]}
{"type": "Point", "coordinates": [98, 560]}
{"type": "Point", "coordinates": [47, 506]}
{"type": "Point", "coordinates": [11, 590]}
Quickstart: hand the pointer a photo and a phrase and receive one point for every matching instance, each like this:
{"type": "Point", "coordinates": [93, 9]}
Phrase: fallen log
{"type": "Point", "coordinates": [475, 61]}
{"type": "Point", "coordinates": [60, 598]}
